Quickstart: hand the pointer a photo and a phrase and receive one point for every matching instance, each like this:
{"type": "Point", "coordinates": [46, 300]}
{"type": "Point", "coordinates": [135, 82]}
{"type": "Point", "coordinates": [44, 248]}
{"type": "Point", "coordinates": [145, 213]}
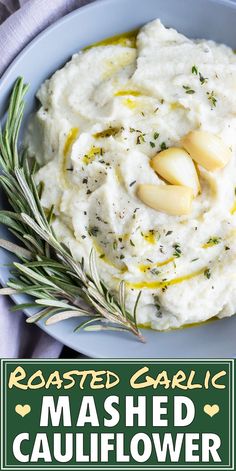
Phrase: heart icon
{"type": "Point", "coordinates": [22, 410]}
{"type": "Point", "coordinates": [211, 410]}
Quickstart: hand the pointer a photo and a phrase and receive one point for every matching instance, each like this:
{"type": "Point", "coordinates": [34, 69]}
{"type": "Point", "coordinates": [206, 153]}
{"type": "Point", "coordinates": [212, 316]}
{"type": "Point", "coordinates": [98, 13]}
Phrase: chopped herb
{"type": "Point", "coordinates": [93, 231]}
{"type": "Point", "coordinates": [207, 273]}
{"type": "Point", "coordinates": [202, 79]}
{"type": "Point", "coordinates": [111, 131]}
{"type": "Point", "coordinates": [132, 183]}
{"type": "Point", "coordinates": [163, 146]}
{"type": "Point", "coordinates": [155, 271]}
{"type": "Point", "coordinates": [134, 214]}
{"type": "Point", "coordinates": [85, 180]}
{"type": "Point", "coordinates": [156, 135]}
{"type": "Point", "coordinates": [152, 144]}
{"type": "Point", "coordinates": [194, 259]}
{"type": "Point", "coordinates": [227, 248]}
{"type": "Point", "coordinates": [213, 241]}
{"type": "Point", "coordinates": [140, 139]}
{"type": "Point", "coordinates": [102, 255]}
{"type": "Point", "coordinates": [194, 70]}
{"type": "Point", "coordinates": [101, 220]}
{"type": "Point", "coordinates": [88, 192]}
{"type": "Point", "coordinates": [188, 89]}
{"type": "Point", "coordinates": [122, 257]}
{"type": "Point", "coordinates": [168, 233]}
{"type": "Point", "coordinates": [131, 243]}
{"type": "Point", "coordinates": [115, 244]}
{"type": "Point", "coordinates": [212, 98]}
{"type": "Point", "coordinates": [177, 252]}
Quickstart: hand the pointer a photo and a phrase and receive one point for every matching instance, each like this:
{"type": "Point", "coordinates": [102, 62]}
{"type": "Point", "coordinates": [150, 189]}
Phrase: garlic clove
{"type": "Point", "coordinates": [170, 199]}
{"type": "Point", "coordinates": [176, 166]}
{"type": "Point", "coordinates": [207, 149]}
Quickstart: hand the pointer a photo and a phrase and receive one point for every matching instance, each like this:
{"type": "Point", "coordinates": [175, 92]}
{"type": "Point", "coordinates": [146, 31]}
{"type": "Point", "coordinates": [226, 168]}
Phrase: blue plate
{"type": "Point", "coordinates": [210, 19]}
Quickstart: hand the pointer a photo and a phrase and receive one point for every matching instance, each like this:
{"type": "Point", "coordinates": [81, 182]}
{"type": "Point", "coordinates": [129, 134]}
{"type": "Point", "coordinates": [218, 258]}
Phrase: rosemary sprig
{"type": "Point", "coordinates": [46, 269]}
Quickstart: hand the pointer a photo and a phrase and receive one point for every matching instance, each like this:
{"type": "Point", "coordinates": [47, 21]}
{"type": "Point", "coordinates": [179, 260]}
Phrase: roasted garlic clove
{"type": "Point", "coordinates": [176, 166]}
{"type": "Point", "coordinates": [171, 199]}
{"type": "Point", "coordinates": [207, 149]}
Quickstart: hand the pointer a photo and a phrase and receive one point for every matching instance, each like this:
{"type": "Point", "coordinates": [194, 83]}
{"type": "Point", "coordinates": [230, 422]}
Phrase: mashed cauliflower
{"type": "Point", "coordinates": [102, 118]}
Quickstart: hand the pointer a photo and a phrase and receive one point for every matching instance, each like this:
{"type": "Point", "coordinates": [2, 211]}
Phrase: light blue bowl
{"type": "Point", "coordinates": [210, 19]}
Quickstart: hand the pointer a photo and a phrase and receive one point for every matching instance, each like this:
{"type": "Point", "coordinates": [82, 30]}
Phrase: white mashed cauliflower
{"type": "Point", "coordinates": [102, 118]}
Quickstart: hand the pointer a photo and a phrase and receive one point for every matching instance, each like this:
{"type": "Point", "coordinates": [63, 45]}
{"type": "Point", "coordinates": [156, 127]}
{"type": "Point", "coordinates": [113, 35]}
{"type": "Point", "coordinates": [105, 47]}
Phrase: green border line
{"type": "Point", "coordinates": [6, 467]}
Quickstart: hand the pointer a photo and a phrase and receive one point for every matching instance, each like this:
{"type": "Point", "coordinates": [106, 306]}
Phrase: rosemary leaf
{"type": "Point", "coordinates": [16, 249]}
{"type": "Point", "coordinates": [46, 270]}
{"type": "Point", "coordinates": [61, 316]}
{"type": "Point", "coordinates": [84, 324]}
{"type": "Point", "coordinates": [7, 291]}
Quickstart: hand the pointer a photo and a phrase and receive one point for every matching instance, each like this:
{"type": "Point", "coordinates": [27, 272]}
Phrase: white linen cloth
{"type": "Point", "coordinates": [21, 21]}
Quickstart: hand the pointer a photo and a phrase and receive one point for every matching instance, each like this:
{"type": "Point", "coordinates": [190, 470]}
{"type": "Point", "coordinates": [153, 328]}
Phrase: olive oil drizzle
{"type": "Point", "coordinates": [148, 326]}
{"type": "Point", "coordinates": [144, 268]}
{"type": "Point", "coordinates": [91, 155]}
{"type": "Point", "coordinates": [233, 209]}
{"type": "Point", "coordinates": [127, 39]}
{"type": "Point", "coordinates": [163, 284]}
{"type": "Point", "coordinates": [128, 92]}
{"type": "Point", "coordinates": [70, 139]}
